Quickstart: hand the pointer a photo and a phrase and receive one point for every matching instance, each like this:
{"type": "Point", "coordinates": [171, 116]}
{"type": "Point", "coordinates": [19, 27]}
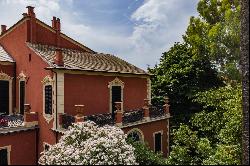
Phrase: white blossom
{"type": "Point", "coordinates": [87, 144]}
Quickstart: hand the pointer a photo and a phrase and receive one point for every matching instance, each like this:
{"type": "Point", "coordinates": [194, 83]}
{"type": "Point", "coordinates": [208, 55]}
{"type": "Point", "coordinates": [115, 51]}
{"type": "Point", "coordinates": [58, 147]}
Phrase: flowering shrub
{"type": "Point", "coordinates": [87, 144]}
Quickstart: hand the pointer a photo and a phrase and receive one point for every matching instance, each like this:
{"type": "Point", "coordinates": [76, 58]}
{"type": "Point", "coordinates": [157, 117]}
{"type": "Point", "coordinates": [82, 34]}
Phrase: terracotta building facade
{"type": "Point", "coordinates": [49, 81]}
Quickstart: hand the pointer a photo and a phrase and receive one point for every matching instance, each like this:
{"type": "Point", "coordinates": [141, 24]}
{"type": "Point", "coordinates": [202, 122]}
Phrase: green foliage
{"type": "Point", "coordinates": [215, 34]}
{"type": "Point", "coordinates": [145, 156]}
{"type": "Point", "coordinates": [225, 155]}
{"type": "Point", "coordinates": [180, 75]}
{"type": "Point", "coordinates": [188, 148]}
{"type": "Point", "coordinates": [222, 114]}
{"type": "Point", "coordinates": [190, 74]}
{"type": "Point", "coordinates": [214, 135]}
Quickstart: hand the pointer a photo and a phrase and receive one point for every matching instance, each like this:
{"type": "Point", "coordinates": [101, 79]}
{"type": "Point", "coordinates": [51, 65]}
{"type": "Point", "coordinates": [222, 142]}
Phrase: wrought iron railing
{"type": "Point", "coordinates": [11, 121]}
{"type": "Point", "coordinates": [156, 112]}
{"type": "Point", "coordinates": [128, 117]}
{"type": "Point", "coordinates": [132, 116]}
{"type": "Point", "coordinates": [67, 120]}
{"type": "Point", "coordinates": [101, 119]}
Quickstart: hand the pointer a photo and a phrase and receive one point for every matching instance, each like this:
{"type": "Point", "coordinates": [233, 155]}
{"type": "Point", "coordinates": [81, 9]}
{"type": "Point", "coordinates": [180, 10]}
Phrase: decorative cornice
{"type": "Point", "coordinates": [47, 80]}
{"type": "Point", "coordinates": [116, 82]}
{"type": "Point", "coordinates": [4, 76]}
{"type": "Point", "coordinates": [22, 76]}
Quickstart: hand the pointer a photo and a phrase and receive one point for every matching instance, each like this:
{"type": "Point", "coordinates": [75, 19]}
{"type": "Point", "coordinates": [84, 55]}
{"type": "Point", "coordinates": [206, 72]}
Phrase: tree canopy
{"type": "Point", "coordinates": [202, 78]}
{"type": "Point", "coordinates": [213, 135]}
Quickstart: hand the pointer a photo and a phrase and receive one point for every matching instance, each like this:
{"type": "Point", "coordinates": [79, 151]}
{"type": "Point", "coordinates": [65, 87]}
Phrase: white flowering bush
{"type": "Point", "coordinates": [87, 144]}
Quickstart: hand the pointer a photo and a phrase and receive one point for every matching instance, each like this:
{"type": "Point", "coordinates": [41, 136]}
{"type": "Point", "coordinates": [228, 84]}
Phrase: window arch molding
{"type": "Point", "coordinates": [138, 131]}
{"type": "Point", "coordinates": [48, 81]}
{"type": "Point", "coordinates": [115, 82]}
{"type": "Point", "coordinates": [6, 77]}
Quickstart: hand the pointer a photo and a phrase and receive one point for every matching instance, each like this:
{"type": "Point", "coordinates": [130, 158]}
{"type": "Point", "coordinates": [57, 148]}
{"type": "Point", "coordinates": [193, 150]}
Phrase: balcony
{"type": "Point", "coordinates": [17, 122]}
{"type": "Point", "coordinates": [122, 118]}
{"type": "Point", "coordinates": [10, 121]}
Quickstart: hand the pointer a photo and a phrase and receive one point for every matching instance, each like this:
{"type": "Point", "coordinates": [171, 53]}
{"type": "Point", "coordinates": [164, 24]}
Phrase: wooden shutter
{"type": "Point", "coordinates": [116, 97]}
{"type": "Point", "coordinates": [4, 97]}
{"type": "Point", "coordinates": [158, 142]}
{"type": "Point", "coordinates": [22, 96]}
{"type": "Point", "coordinates": [48, 99]}
{"type": "Point", "coordinates": [3, 157]}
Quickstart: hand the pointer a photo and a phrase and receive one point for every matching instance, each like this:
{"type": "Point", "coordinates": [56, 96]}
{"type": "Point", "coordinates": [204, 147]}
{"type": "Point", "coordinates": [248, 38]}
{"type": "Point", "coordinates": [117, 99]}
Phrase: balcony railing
{"type": "Point", "coordinates": [101, 119]}
{"type": "Point", "coordinates": [132, 116]}
{"type": "Point", "coordinates": [9, 121]}
{"type": "Point", "coordinates": [155, 112]}
{"type": "Point", "coordinates": [142, 115]}
{"type": "Point", "coordinates": [67, 120]}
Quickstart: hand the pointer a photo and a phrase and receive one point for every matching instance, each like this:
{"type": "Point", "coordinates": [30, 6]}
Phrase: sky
{"type": "Point", "coordinates": [138, 31]}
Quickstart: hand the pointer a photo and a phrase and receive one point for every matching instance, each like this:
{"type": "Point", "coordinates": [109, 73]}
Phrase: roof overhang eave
{"type": "Point", "coordinates": [88, 70]}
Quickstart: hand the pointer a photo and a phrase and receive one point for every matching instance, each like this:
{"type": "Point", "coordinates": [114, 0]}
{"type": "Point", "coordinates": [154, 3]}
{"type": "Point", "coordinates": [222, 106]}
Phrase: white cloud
{"type": "Point", "coordinates": [157, 25]}
{"type": "Point", "coordinates": [160, 24]}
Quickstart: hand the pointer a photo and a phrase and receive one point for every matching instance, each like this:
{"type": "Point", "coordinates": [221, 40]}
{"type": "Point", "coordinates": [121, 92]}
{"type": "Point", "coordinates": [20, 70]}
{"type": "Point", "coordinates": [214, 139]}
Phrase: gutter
{"type": "Point", "coordinates": [96, 71]}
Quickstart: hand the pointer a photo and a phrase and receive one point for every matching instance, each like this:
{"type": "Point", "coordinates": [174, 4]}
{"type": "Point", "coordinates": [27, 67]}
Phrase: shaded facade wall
{"type": "Point", "coordinates": [92, 91]}
{"type": "Point", "coordinates": [148, 130]}
{"type": "Point", "coordinates": [34, 70]}
{"type": "Point", "coordinates": [23, 147]}
{"type": "Point", "coordinates": [8, 69]}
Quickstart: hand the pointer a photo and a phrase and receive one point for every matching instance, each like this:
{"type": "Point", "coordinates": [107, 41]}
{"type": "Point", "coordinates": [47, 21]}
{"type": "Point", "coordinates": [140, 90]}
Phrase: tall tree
{"type": "Point", "coordinates": [213, 135]}
{"type": "Point", "coordinates": [180, 75]}
{"type": "Point", "coordinates": [244, 51]}
{"type": "Point", "coordinates": [215, 34]}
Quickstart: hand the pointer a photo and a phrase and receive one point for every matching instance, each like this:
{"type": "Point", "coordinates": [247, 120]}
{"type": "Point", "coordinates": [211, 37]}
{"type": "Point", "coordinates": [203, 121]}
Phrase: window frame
{"type": "Point", "coordinates": [158, 132]}
{"type": "Point", "coordinates": [48, 81]}
{"type": "Point", "coordinates": [21, 77]}
{"type": "Point", "coordinates": [24, 97]}
{"type": "Point", "coordinates": [138, 131]}
{"type": "Point", "coordinates": [46, 144]}
{"type": "Point", "coordinates": [6, 77]}
{"type": "Point", "coordinates": [8, 152]}
{"type": "Point", "coordinates": [115, 82]}
{"type": "Point", "coordinates": [45, 102]}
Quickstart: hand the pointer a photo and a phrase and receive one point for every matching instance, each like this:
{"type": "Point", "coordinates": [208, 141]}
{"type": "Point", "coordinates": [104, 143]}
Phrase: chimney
{"type": "Point", "coordinates": [54, 23]}
{"type": "Point", "coordinates": [25, 14]}
{"type": "Point", "coordinates": [59, 57]}
{"type": "Point", "coordinates": [31, 25]}
{"type": "Point", "coordinates": [31, 11]}
{"type": "Point", "coordinates": [58, 24]}
{"type": "Point", "coordinates": [3, 29]}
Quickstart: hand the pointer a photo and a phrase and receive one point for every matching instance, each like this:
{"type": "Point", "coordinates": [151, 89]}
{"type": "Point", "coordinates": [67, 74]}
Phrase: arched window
{"type": "Point", "coordinates": [135, 135]}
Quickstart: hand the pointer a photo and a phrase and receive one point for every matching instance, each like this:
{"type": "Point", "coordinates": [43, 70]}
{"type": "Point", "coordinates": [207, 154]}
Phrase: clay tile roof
{"type": "Point", "coordinates": [78, 60]}
{"type": "Point", "coordinates": [4, 56]}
